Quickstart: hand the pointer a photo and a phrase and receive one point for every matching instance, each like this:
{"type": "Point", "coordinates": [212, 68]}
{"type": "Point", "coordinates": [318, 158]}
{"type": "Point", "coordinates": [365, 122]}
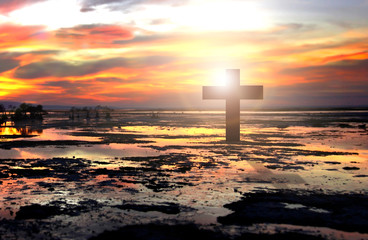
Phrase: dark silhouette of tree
{"type": "Point", "coordinates": [97, 109]}
{"type": "Point", "coordinates": [27, 111]}
{"type": "Point", "coordinates": [87, 112]}
{"type": "Point", "coordinates": [3, 117]}
{"type": "Point", "coordinates": [154, 115]}
{"type": "Point", "coordinates": [71, 113]}
{"type": "Point", "coordinates": [11, 107]}
{"type": "Point", "coordinates": [90, 112]}
{"type": "Point", "coordinates": [107, 111]}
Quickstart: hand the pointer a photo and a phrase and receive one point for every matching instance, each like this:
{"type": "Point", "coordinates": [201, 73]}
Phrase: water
{"type": "Point", "coordinates": [180, 157]}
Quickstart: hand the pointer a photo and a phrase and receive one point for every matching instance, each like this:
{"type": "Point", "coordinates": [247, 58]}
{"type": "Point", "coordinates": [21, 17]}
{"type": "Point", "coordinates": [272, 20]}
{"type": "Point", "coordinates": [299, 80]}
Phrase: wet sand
{"type": "Point", "coordinates": [294, 175]}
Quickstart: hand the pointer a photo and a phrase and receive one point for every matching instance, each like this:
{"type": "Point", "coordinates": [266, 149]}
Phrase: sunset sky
{"type": "Point", "coordinates": [159, 53]}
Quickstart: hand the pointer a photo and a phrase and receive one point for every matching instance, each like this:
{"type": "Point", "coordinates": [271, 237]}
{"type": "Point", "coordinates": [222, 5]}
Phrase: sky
{"type": "Point", "coordinates": [159, 53]}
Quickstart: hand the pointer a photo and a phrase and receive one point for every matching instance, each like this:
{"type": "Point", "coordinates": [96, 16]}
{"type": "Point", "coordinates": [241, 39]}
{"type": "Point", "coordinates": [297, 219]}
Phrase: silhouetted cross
{"type": "Point", "coordinates": [233, 92]}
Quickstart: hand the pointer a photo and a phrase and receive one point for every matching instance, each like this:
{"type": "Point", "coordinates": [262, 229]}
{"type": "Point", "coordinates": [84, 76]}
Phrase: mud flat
{"type": "Point", "coordinates": [294, 175]}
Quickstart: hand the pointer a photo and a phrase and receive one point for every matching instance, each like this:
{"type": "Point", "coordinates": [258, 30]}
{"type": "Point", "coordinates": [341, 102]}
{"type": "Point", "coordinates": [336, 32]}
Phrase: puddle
{"type": "Point", "coordinates": [10, 130]}
{"type": "Point", "coordinates": [94, 152]}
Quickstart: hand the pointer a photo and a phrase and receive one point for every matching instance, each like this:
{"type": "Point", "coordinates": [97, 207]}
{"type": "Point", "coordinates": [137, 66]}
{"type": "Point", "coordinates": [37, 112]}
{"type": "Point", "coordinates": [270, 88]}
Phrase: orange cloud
{"type": "Point", "coordinates": [92, 36]}
{"type": "Point", "coordinates": [169, 68]}
{"type": "Point", "coordinates": [21, 36]}
{"type": "Point", "coordinates": [356, 55]}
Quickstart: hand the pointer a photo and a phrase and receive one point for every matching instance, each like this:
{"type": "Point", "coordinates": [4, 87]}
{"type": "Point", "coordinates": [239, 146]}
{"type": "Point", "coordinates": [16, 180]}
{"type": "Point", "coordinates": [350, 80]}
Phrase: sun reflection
{"type": "Point", "coordinates": [175, 131]}
{"type": "Point", "coordinates": [21, 131]}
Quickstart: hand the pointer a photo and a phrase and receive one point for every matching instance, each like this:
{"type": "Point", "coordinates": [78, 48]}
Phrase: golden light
{"type": "Point", "coordinates": [219, 78]}
{"type": "Point", "coordinates": [201, 16]}
{"type": "Point", "coordinates": [57, 14]}
{"type": "Point", "coordinates": [218, 16]}
{"type": "Point", "coordinates": [54, 14]}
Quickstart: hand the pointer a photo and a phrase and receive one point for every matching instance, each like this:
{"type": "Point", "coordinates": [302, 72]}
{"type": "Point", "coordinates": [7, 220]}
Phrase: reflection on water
{"type": "Point", "coordinates": [173, 131]}
{"type": "Point", "coordinates": [95, 153]}
{"type": "Point", "coordinates": [9, 129]}
{"type": "Point", "coordinates": [186, 160]}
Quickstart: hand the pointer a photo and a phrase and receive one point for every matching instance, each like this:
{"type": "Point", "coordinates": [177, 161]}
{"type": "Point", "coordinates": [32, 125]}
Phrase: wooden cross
{"type": "Point", "coordinates": [233, 92]}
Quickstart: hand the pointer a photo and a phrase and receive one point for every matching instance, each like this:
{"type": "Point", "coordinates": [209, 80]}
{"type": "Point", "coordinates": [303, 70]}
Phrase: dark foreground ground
{"type": "Point", "coordinates": [294, 175]}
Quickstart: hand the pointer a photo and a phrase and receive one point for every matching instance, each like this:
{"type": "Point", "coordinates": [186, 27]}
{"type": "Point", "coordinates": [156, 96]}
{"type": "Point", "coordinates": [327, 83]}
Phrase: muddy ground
{"type": "Point", "coordinates": [294, 175]}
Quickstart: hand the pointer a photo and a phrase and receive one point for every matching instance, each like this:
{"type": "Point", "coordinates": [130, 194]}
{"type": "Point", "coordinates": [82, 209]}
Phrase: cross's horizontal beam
{"type": "Point", "coordinates": [243, 92]}
{"type": "Point", "coordinates": [214, 92]}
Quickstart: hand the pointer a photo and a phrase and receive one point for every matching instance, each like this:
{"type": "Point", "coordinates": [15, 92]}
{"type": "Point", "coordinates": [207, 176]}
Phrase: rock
{"type": "Point", "coordinates": [350, 168]}
{"type": "Point", "coordinates": [347, 212]}
{"type": "Point", "coordinates": [37, 211]}
{"type": "Point", "coordinates": [168, 208]}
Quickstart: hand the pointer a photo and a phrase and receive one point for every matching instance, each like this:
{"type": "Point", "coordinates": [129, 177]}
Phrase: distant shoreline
{"type": "Point", "coordinates": [215, 110]}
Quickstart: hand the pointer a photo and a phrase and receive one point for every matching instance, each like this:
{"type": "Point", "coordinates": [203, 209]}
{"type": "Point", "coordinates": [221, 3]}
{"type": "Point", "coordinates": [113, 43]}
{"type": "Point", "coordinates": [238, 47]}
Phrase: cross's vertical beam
{"type": "Point", "coordinates": [233, 106]}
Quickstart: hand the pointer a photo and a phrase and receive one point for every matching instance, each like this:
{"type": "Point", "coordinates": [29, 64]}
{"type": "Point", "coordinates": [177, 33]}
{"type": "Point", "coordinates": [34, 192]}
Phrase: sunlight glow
{"type": "Point", "coordinates": [219, 78]}
{"type": "Point", "coordinates": [57, 14]}
{"type": "Point", "coordinates": [3, 19]}
{"type": "Point", "coordinates": [229, 16]}
{"type": "Point", "coordinates": [54, 14]}
{"type": "Point", "coordinates": [202, 16]}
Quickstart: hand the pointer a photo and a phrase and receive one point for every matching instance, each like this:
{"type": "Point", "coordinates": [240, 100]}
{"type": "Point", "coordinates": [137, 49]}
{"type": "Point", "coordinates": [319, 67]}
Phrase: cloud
{"type": "Point", "coordinates": [17, 54]}
{"type": "Point", "coordinates": [98, 90]}
{"type": "Point", "coordinates": [11, 60]}
{"type": "Point", "coordinates": [7, 62]}
{"type": "Point", "coordinates": [79, 83]}
{"type": "Point", "coordinates": [293, 28]}
{"type": "Point", "coordinates": [339, 83]}
{"type": "Point", "coordinates": [43, 52]}
{"type": "Point", "coordinates": [13, 35]}
{"type": "Point", "coordinates": [160, 21]}
{"type": "Point", "coordinates": [319, 10]}
{"type": "Point", "coordinates": [76, 88]}
{"type": "Point", "coordinates": [345, 56]}
{"type": "Point", "coordinates": [93, 35]}
{"type": "Point", "coordinates": [7, 6]}
{"type": "Point", "coordinates": [94, 90]}
{"type": "Point", "coordinates": [109, 80]}
{"type": "Point", "coordinates": [328, 93]}
{"type": "Point", "coordinates": [117, 5]}
{"type": "Point", "coordinates": [330, 44]}
{"type": "Point", "coordinates": [64, 69]}
{"type": "Point", "coordinates": [93, 86]}
{"type": "Point", "coordinates": [144, 39]}
{"type": "Point", "coordinates": [87, 9]}
{"type": "Point", "coordinates": [346, 69]}
{"type": "Point", "coordinates": [111, 4]}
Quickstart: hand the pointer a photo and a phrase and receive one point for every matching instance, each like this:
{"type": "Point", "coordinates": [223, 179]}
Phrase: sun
{"type": "Point", "coordinates": [219, 78]}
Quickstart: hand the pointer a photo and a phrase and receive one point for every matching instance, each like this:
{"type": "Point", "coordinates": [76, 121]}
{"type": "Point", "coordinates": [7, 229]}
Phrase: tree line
{"type": "Point", "coordinates": [25, 111]}
{"type": "Point", "coordinates": [90, 112]}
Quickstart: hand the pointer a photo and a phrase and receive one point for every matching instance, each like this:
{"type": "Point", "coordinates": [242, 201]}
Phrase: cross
{"type": "Point", "coordinates": [233, 92]}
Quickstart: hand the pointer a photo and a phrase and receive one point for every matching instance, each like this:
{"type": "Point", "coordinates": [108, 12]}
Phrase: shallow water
{"type": "Point", "coordinates": [179, 157]}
